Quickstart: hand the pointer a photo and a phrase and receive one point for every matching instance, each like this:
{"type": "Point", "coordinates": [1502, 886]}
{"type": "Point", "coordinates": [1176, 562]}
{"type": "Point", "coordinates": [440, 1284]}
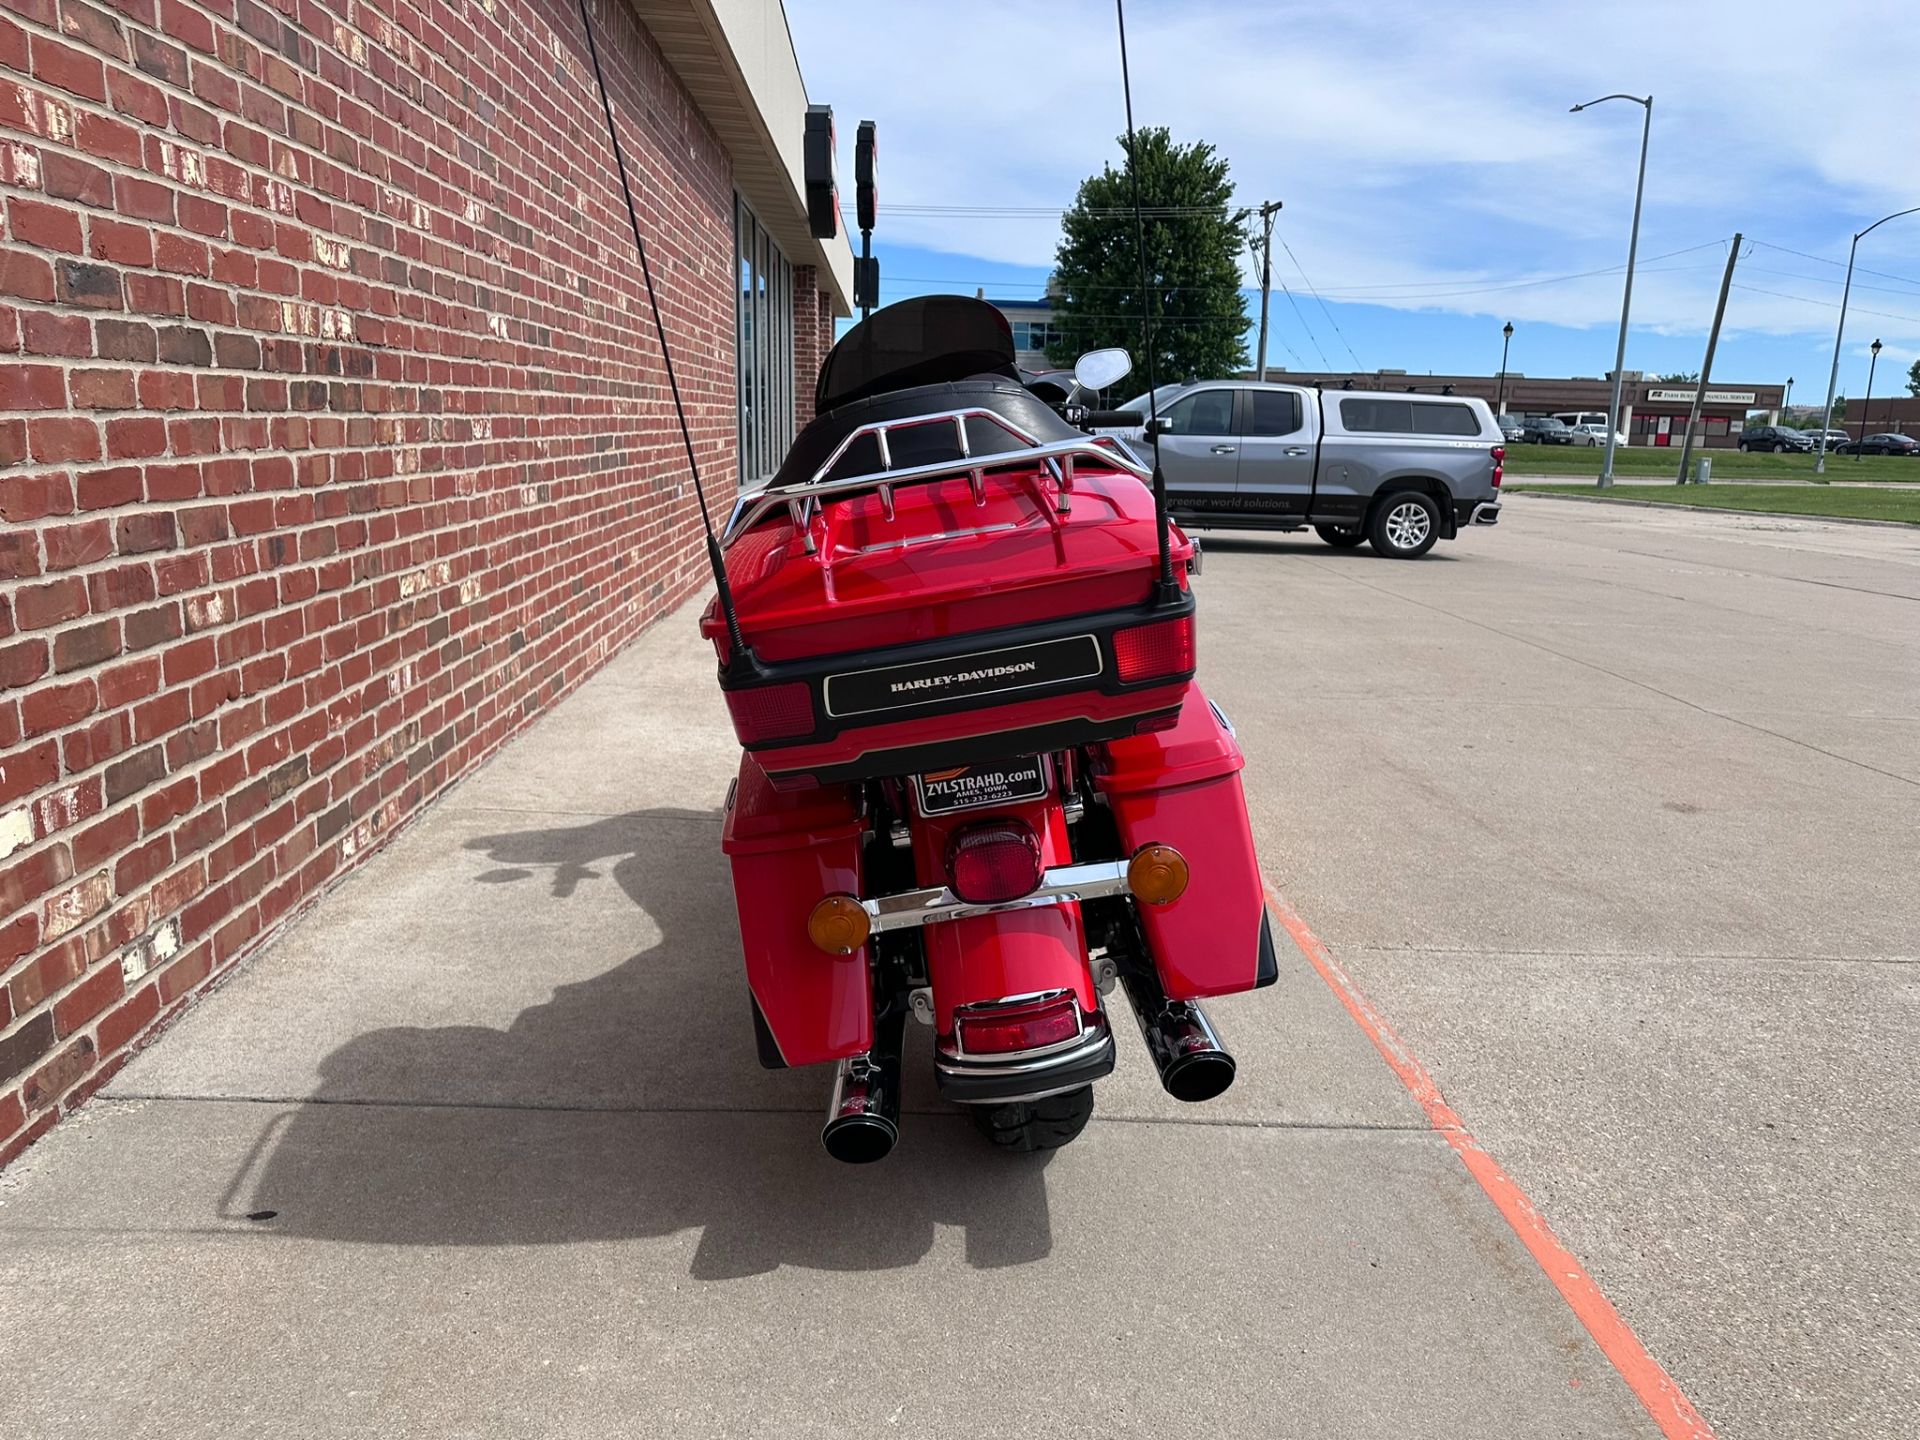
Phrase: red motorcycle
{"type": "Point", "coordinates": [980, 788]}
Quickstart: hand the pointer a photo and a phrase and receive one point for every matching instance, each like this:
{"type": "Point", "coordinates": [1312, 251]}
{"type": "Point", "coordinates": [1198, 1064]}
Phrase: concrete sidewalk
{"type": "Point", "coordinates": [480, 1147]}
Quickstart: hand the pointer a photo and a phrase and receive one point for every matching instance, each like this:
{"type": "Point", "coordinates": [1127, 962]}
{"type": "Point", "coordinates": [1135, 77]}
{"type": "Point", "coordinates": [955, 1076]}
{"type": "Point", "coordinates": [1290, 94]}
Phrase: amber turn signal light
{"type": "Point", "coordinates": [1157, 874]}
{"type": "Point", "coordinates": [839, 925]}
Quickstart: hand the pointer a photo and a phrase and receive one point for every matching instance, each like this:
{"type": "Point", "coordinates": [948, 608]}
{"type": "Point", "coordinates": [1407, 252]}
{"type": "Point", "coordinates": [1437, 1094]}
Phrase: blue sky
{"type": "Point", "coordinates": [1435, 184]}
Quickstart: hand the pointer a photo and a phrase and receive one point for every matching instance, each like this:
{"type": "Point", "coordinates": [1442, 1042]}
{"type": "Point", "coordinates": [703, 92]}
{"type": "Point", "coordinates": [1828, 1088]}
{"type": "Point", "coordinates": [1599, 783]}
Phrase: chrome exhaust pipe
{"type": "Point", "coordinates": [863, 1119]}
{"type": "Point", "coordinates": [1186, 1049]}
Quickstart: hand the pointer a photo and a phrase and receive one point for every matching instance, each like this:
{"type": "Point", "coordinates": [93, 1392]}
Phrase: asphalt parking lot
{"type": "Point", "coordinates": [1611, 813]}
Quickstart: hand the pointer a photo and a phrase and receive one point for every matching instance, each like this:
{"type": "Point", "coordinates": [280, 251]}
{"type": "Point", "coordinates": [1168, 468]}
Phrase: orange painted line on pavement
{"type": "Point", "coordinates": [1650, 1384]}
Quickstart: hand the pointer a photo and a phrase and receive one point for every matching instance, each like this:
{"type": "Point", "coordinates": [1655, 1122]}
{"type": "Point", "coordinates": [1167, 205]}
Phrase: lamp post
{"type": "Point", "coordinates": [1626, 300]}
{"type": "Point", "coordinates": [1833, 375]}
{"type": "Point", "coordinates": [1786, 402]}
{"type": "Point", "coordinates": [1506, 339]}
{"type": "Point", "coordinates": [1867, 400]}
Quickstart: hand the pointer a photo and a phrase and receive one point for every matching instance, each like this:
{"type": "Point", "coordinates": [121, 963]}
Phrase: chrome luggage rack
{"type": "Point", "coordinates": [803, 498]}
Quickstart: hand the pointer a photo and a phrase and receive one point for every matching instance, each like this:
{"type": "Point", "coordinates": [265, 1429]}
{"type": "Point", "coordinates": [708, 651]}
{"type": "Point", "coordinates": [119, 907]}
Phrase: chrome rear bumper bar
{"type": "Point", "coordinates": [1487, 512]}
{"type": "Point", "coordinates": [1059, 886]}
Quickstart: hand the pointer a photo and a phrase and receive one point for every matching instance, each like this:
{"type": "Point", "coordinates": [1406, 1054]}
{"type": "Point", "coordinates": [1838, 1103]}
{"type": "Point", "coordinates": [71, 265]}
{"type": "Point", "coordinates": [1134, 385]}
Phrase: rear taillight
{"type": "Point", "coordinates": [771, 712]}
{"type": "Point", "coordinates": [992, 862]}
{"type": "Point", "coordinates": [1028, 1025]}
{"type": "Point", "coordinates": [1499, 464]}
{"type": "Point", "coordinates": [1146, 652]}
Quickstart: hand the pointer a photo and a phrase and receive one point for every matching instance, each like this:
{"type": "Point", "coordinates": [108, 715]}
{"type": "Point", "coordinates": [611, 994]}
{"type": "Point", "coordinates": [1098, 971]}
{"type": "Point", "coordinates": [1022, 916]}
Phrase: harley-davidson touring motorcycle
{"type": "Point", "coordinates": [980, 792]}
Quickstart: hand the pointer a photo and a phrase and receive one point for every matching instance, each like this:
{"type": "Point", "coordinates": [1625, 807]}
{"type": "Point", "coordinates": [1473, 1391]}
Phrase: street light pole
{"type": "Point", "coordinates": [1833, 375]}
{"type": "Point", "coordinates": [1626, 300]}
{"type": "Point", "coordinates": [1861, 448]}
{"type": "Point", "coordinates": [1506, 339]}
{"type": "Point", "coordinates": [1786, 403]}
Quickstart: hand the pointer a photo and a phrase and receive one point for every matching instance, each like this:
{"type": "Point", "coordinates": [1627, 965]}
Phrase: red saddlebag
{"type": "Point", "coordinates": [1181, 787]}
{"type": "Point", "coordinates": [787, 851]}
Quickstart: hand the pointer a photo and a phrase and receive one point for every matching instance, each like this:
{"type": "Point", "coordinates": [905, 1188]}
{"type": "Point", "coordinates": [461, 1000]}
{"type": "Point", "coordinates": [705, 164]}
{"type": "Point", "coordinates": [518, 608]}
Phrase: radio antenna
{"type": "Point", "coordinates": [737, 652]}
{"type": "Point", "coordinates": [1166, 588]}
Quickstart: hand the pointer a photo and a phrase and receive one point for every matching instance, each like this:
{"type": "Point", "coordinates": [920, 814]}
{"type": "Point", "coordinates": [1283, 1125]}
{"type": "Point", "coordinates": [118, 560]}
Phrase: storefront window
{"type": "Point", "coordinates": [764, 346]}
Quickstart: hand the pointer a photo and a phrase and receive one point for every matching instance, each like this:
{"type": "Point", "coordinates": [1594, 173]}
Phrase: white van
{"type": "Point", "coordinates": [1589, 427]}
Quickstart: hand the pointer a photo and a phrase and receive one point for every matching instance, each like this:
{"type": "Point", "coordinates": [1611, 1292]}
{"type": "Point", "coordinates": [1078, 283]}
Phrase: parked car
{"type": "Point", "coordinates": [1589, 427]}
{"type": "Point", "coordinates": [1777, 438]}
{"type": "Point", "coordinates": [1511, 428]}
{"type": "Point", "coordinates": [1882, 445]}
{"type": "Point", "coordinates": [1544, 430]}
{"type": "Point", "coordinates": [1399, 471]}
{"type": "Point", "coordinates": [1835, 438]}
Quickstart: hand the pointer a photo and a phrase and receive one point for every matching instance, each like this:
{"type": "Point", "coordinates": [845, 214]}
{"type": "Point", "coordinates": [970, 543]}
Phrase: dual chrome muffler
{"type": "Point", "coordinates": [863, 1119]}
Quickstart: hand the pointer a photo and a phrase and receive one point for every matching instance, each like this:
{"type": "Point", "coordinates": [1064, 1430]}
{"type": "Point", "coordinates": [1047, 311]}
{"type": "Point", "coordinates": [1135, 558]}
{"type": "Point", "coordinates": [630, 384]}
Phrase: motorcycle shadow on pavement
{"type": "Point", "coordinates": [628, 1106]}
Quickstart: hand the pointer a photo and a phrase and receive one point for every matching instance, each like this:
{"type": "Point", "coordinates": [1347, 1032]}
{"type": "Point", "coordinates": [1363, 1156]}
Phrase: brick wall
{"type": "Point", "coordinates": [812, 338]}
{"type": "Point", "coordinates": [333, 448]}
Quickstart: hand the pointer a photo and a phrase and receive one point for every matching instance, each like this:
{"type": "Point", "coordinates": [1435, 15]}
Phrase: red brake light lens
{"type": "Point", "coordinates": [1499, 464]}
{"type": "Point", "coordinates": [1148, 652]}
{"type": "Point", "coordinates": [993, 862]}
{"type": "Point", "coordinates": [1003, 1029]}
{"type": "Point", "coordinates": [771, 712]}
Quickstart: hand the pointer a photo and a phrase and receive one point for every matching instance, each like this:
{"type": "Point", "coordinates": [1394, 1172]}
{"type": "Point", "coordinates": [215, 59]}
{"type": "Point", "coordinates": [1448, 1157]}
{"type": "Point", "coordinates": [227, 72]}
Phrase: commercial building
{"type": "Point", "coordinates": [1652, 412]}
{"type": "Point", "coordinates": [334, 438]}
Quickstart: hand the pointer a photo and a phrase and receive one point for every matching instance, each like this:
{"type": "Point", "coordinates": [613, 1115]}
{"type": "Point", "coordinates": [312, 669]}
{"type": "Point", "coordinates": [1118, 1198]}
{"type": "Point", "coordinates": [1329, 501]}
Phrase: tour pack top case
{"type": "Point", "coordinates": [944, 570]}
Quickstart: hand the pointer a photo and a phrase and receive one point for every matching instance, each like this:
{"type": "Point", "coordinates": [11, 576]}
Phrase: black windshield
{"type": "Point", "coordinates": [928, 340]}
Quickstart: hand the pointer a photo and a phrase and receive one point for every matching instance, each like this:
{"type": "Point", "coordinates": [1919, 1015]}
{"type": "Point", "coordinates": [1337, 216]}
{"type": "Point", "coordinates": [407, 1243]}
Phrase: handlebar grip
{"type": "Point", "coordinates": [1114, 419]}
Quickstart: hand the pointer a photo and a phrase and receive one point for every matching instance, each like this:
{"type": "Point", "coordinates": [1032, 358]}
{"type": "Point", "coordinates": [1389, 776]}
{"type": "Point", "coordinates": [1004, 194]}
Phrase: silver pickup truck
{"type": "Point", "coordinates": [1400, 471]}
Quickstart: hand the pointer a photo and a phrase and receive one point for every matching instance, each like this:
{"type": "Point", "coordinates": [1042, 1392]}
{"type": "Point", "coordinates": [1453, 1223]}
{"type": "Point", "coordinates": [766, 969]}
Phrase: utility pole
{"type": "Point", "coordinates": [1706, 365]}
{"type": "Point", "coordinates": [1264, 248]}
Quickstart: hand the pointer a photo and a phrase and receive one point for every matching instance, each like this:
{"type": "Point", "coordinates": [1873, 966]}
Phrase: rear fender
{"type": "Point", "coordinates": [1016, 952]}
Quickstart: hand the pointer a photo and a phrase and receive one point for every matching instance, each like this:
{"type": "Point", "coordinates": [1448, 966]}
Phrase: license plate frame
{"type": "Point", "coordinates": [981, 786]}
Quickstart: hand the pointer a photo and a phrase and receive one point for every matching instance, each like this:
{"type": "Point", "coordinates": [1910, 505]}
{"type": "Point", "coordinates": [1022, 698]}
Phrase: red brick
{"type": "Point", "coordinates": [137, 534]}
{"type": "Point", "coordinates": [86, 645]}
{"type": "Point", "coordinates": [128, 1020]}
{"type": "Point", "coordinates": [57, 440]}
{"type": "Point", "coordinates": [25, 1046]}
{"type": "Point", "coordinates": [102, 390]}
{"type": "Point", "coordinates": [25, 498]}
{"type": "Point", "coordinates": [48, 227]}
{"type": "Point", "coordinates": [27, 275]}
{"type": "Point", "coordinates": [25, 771]}
{"type": "Point", "coordinates": [100, 489]}
{"type": "Point", "coordinates": [87, 999]}
{"type": "Point", "coordinates": [26, 879]}
{"type": "Point", "coordinates": [120, 243]}
{"type": "Point", "coordinates": [38, 606]}
{"type": "Point", "coordinates": [22, 662]}
{"type": "Point", "coordinates": [68, 69]}
{"type": "Point", "coordinates": [18, 936]}
{"type": "Point", "coordinates": [56, 707]}
{"type": "Point", "coordinates": [136, 437]}
{"type": "Point", "coordinates": [68, 177]}
{"type": "Point", "coordinates": [32, 387]}
{"type": "Point", "coordinates": [58, 1075]}
{"type": "Point", "coordinates": [19, 554]}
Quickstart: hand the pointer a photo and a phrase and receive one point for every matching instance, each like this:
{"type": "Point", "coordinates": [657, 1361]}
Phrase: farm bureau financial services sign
{"type": "Point", "coordinates": [1712, 397]}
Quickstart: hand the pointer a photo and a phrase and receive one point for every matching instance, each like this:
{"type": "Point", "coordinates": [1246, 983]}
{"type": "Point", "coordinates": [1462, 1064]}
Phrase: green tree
{"type": "Point", "coordinates": [1194, 240]}
{"type": "Point", "coordinates": [1913, 378]}
{"type": "Point", "coordinates": [1677, 378]}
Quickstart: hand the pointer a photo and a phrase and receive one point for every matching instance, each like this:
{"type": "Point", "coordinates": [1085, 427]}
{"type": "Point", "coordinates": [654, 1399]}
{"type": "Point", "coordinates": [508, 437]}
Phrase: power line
{"type": "Point", "coordinates": [1838, 265]}
{"type": "Point", "coordinates": [1829, 304]}
{"type": "Point", "coordinates": [1323, 304]}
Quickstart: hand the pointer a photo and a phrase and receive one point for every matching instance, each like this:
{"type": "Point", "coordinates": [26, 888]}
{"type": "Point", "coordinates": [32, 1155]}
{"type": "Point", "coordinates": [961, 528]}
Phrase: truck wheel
{"type": "Point", "coordinates": [1404, 525]}
{"type": "Point", "coordinates": [1036, 1124]}
{"type": "Point", "coordinates": [1340, 539]}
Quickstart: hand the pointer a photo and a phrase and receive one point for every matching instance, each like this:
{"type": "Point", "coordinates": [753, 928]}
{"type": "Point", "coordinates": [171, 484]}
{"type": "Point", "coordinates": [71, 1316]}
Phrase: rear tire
{"type": "Point", "coordinates": [1779, 449]}
{"type": "Point", "coordinates": [1036, 1124]}
{"type": "Point", "coordinates": [1404, 525]}
{"type": "Point", "coordinates": [1340, 539]}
